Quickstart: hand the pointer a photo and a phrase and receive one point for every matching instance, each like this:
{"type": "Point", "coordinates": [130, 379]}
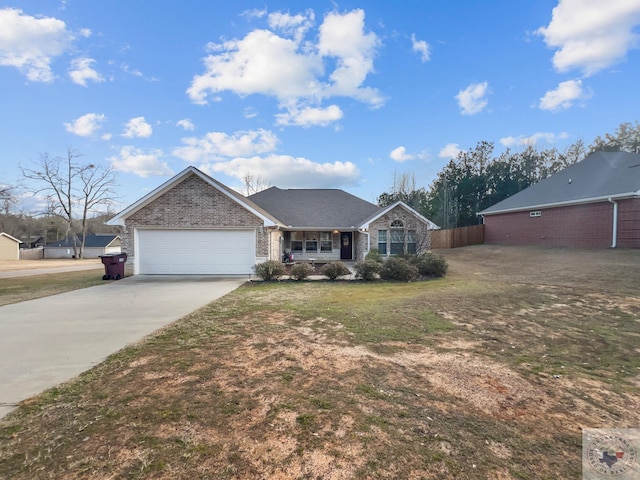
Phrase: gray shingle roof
{"type": "Point", "coordinates": [93, 240]}
{"type": "Point", "coordinates": [315, 208]}
{"type": "Point", "coordinates": [599, 176]}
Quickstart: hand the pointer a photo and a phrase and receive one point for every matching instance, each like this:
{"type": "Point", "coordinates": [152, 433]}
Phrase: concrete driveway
{"type": "Point", "coordinates": [50, 340]}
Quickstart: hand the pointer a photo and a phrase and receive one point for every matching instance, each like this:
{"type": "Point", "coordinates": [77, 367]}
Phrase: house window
{"type": "Point", "coordinates": [535, 213]}
{"type": "Point", "coordinates": [325, 242]}
{"type": "Point", "coordinates": [311, 242]}
{"type": "Point", "coordinates": [411, 242]}
{"type": "Point", "coordinates": [397, 241]}
{"type": "Point", "coordinates": [382, 242]}
{"type": "Point", "coordinates": [296, 241]}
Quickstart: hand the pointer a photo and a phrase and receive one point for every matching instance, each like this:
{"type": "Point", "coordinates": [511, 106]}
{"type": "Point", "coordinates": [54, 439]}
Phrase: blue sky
{"type": "Point", "coordinates": [307, 94]}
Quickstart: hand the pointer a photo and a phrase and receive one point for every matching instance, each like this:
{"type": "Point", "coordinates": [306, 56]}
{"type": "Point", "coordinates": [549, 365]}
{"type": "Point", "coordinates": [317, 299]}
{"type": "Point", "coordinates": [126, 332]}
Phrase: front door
{"type": "Point", "coordinates": [346, 246]}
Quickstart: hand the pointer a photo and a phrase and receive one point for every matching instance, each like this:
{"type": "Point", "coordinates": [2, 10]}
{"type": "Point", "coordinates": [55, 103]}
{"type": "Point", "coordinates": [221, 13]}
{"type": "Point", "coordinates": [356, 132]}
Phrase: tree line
{"type": "Point", "coordinates": [73, 192]}
{"type": "Point", "coordinates": [477, 179]}
{"type": "Point", "coordinates": [76, 192]}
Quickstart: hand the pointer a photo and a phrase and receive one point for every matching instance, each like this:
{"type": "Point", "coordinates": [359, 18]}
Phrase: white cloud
{"type": "Point", "coordinates": [522, 140]}
{"type": "Point", "coordinates": [215, 146]}
{"type": "Point", "coordinates": [564, 96]}
{"type": "Point", "coordinates": [473, 99]}
{"type": "Point", "coordinates": [309, 116]}
{"type": "Point", "coordinates": [249, 112]}
{"type": "Point", "coordinates": [81, 71]}
{"type": "Point", "coordinates": [31, 43]}
{"type": "Point", "coordinates": [131, 71]}
{"type": "Point", "coordinates": [86, 125]}
{"type": "Point", "coordinates": [262, 63]}
{"type": "Point", "coordinates": [140, 163]}
{"type": "Point", "coordinates": [137, 127]}
{"type": "Point", "coordinates": [294, 25]}
{"type": "Point", "coordinates": [342, 36]}
{"type": "Point", "coordinates": [591, 35]}
{"type": "Point", "coordinates": [293, 68]}
{"type": "Point", "coordinates": [85, 32]}
{"type": "Point", "coordinates": [186, 123]}
{"type": "Point", "coordinates": [400, 154]}
{"type": "Point", "coordinates": [421, 47]}
{"type": "Point", "coordinates": [450, 150]}
{"type": "Point", "coordinates": [289, 172]}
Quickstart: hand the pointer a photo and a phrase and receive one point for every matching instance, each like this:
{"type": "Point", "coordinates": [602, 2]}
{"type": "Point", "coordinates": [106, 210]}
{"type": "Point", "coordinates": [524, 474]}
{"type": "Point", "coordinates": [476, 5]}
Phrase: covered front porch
{"type": "Point", "coordinates": [318, 247]}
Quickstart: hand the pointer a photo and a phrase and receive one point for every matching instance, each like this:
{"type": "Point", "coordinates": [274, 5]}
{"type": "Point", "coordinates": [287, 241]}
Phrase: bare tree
{"type": "Point", "coordinates": [69, 186]}
{"type": "Point", "coordinates": [7, 197]}
{"type": "Point", "coordinates": [254, 184]}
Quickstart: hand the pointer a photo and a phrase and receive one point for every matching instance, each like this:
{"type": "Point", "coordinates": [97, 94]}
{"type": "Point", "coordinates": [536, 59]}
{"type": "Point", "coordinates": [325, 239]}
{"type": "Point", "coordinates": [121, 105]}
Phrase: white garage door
{"type": "Point", "coordinates": [195, 252]}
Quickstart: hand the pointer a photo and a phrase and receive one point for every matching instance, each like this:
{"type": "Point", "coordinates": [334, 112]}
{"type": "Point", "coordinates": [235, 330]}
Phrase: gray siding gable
{"type": "Point", "coordinates": [597, 177]}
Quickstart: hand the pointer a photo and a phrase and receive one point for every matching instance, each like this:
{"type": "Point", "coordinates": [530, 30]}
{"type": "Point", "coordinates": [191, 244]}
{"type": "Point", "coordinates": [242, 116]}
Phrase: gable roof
{"type": "Point", "coordinates": [119, 219]}
{"type": "Point", "coordinates": [10, 237]}
{"type": "Point", "coordinates": [403, 205]}
{"type": "Point", "coordinates": [315, 208]}
{"type": "Point", "coordinates": [95, 240]}
{"type": "Point", "coordinates": [599, 177]}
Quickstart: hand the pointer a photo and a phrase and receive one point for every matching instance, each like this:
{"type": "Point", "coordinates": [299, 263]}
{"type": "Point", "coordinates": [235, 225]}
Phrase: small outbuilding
{"type": "Point", "coordinates": [594, 203]}
{"type": "Point", "coordinates": [9, 247]}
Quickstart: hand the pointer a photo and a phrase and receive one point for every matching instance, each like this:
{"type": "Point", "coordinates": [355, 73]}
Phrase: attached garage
{"type": "Point", "coordinates": [195, 251]}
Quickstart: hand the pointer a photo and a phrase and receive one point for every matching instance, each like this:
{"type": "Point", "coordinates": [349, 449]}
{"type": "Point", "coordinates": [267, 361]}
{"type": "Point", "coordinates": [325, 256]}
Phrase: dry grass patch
{"type": "Point", "coordinates": [20, 289]}
{"type": "Point", "coordinates": [489, 373]}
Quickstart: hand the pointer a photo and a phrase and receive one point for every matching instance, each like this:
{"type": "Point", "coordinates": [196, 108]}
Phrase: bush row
{"type": "Point", "coordinates": [402, 268]}
{"type": "Point", "coordinates": [273, 270]}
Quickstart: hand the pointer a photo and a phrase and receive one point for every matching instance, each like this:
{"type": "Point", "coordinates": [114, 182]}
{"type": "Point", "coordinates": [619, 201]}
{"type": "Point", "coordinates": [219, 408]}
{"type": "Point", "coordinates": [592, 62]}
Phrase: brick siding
{"type": "Point", "coordinates": [410, 222]}
{"type": "Point", "coordinates": [581, 226]}
{"type": "Point", "coordinates": [193, 203]}
{"type": "Point", "coordinates": [629, 223]}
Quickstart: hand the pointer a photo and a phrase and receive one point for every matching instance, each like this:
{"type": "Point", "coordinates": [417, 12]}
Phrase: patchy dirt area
{"type": "Point", "coordinates": [491, 373]}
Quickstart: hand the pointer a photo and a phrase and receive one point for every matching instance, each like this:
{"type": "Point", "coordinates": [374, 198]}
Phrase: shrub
{"type": "Point", "coordinates": [368, 270]}
{"type": "Point", "coordinates": [301, 271]}
{"type": "Point", "coordinates": [334, 270]}
{"type": "Point", "coordinates": [373, 255]}
{"type": "Point", "coordinates": [269, 270]}
{"type": "Point", "coordinates": [432, 265]}
{"type": "Point", "coordinates": [398, 269]}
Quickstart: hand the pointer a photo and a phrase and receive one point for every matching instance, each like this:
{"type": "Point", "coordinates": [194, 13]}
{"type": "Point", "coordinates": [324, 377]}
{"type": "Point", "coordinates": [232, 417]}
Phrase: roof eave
{"type": "Point", "coordinates": [120, 218]}
{"type": "Point", "coordinates": [365, 225]}
{"type": "Point", "coordinates": [10, 237]}
{"type": "Point", "coordinates": [582, 201]}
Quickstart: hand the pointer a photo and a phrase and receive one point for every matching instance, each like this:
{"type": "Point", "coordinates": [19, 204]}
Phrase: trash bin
{"type": "Point", "coordinates": [113, 265]}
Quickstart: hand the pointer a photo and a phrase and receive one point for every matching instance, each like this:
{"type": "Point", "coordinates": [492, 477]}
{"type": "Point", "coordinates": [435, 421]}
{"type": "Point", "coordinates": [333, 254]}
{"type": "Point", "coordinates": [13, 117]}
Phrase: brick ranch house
{"type": "Point", "coordinates": [594, 203]}
{"type": "Point", "coordinates": [193, 224]}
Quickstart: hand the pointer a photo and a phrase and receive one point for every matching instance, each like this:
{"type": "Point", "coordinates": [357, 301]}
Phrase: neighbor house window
{"type": "Point", "coordinates": [382, 242]}
{"type": "Point", "coordinates": [397, 237]}
{"type": "Point", "coordinates": [411, 242]}
{"type": "Point", "coordinates": [325, 242]}
{"type": "Point", "coordinates": [311, 242]}
{"type": "Point", "coordinates": [296, 241]}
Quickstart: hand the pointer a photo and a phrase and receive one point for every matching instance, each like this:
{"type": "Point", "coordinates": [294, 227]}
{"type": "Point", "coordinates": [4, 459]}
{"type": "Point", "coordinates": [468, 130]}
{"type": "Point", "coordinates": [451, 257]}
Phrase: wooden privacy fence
{"type": "Point", "coordinates": [457, 237]}
{"type": "Point", "coordinates": [32, 254]}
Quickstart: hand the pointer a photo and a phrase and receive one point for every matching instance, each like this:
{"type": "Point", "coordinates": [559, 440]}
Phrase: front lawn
{"type": "Point", "coordinates": [488, 373]}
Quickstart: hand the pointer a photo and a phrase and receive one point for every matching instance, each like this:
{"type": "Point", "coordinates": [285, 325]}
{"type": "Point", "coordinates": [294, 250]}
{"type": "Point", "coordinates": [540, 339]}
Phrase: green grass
{"type": "Point", "coordinates": [20, 289]}
{"type": "Point", "coordinates": [351, 380]}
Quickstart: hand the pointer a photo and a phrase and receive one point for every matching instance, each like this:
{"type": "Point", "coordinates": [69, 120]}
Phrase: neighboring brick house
{"type": "Point", "coordinates": [193, 224]}
{"type": "Point", "coordinates": [594, 203]}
